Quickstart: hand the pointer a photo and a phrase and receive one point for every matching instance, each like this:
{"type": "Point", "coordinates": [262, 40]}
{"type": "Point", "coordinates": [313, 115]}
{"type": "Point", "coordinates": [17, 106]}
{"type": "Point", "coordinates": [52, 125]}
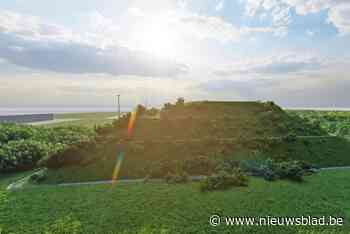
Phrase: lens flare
{"type": "Point", "coordinates": [120, 153]}
{"type": "Point", "coordinates": [117, 166]}
{"type": "Point", "coordinates": [131, 123]}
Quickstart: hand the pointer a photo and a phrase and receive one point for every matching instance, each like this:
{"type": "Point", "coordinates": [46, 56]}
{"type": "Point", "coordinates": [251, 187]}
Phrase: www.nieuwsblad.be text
{"type": "Point", "coordinates": [217, 220]}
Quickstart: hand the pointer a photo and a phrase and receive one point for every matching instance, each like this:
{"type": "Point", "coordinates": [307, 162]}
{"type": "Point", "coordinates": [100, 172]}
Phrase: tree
{"type": "Point", "coordinates": [141, 109]}
{"type": "Point", "coordinates": [180, 101]}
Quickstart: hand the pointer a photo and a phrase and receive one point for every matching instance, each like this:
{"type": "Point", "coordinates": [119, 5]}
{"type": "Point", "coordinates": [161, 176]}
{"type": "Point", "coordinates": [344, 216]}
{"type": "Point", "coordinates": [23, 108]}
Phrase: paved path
{"type": "Point", "coordinates": [335, 168]}
{"type": "Point", "coordinates": [18, 184]}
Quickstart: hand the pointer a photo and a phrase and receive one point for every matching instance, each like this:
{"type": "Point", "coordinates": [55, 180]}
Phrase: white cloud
{"type": "Point", "coordinates": [28, 42]}
{"type": "Point", "coordinates": [290, 64]}
{"type": "Point", "coordinates": [205, 27]}
{"type": "Point", "coordinates": [338, 10]}
{"type": "Point", "coordinates": [340, 17]}
{"type": "Point", "coordinates": [220, 5]}
{"type": "Point", "coordinates": [310, 33]}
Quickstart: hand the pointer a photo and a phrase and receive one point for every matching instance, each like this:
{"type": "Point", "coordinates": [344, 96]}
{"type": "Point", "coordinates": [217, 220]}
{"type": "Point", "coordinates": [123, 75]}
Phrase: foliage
{"type": "Point", "coordinates": [224, 180]}
{"type": "Point", "coordinates": [22, 146]}
{"type": "Point", "coordinates": [334, 122]}
{"type": "Point", "coordinates": [22, 154]}
{"type": "Point", "coordinates": [178, 178]}
{"type": "Point", "coordinates": [180, 102]}
{"type": "Point", "coordinates": [272, 170]}
{"type": "Point", "coordinates": [141, 110]}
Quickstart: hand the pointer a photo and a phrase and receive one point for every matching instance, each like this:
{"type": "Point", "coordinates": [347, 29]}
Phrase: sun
{"type": "Point", "coordinates": [157, 38]}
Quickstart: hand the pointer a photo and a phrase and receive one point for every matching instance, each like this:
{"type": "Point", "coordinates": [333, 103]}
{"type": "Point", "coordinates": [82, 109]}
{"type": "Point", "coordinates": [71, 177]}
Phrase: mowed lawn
{"type": "Point", "coordinates": [146, 208]}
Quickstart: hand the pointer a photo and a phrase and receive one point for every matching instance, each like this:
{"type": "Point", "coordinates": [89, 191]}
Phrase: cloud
{"type": "Point", "coordinates": [220, 5]}
{"type": "Point", "coordinates": [338, 11]}
{"type": "Point", "coordinates": [310, 33]}
{"type": "Point", "coordinates": [210, 27]}
{"type": "Point", "coordinates": [340, 17]}
{"type": "Point", "coordinates": [207, 27]}
{"type": "Point", "coordinates": [289, 92]}
{"type": "Point", "coordinates": [28, 42]}
{"type": "Point", "coordinates": [272, 66]}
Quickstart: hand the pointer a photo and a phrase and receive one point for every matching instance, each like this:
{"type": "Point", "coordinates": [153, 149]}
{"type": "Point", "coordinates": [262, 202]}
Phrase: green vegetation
{"type": "Point", "coordinates": [228, 142]}
{"type": "Point", "coordinates": [90, 120]}
{"type": "Point", "coordinates": [181, 208]}
{"type": "Point", "coordinates": [224, 180]}
{"type": "Point", "coordinates": [334, 122]}
{"type": "Point", "coordinates": [22, 146]}
{"type": "Point", "coordinates": [273, 170]}
{"type": "Point", "coordinates": [184, 132]}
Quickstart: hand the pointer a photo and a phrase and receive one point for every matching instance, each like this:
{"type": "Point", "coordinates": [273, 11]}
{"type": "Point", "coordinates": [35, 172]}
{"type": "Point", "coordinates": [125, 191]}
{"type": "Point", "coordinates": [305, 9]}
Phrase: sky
{"type": "Point", "coordinates": [82, 53]}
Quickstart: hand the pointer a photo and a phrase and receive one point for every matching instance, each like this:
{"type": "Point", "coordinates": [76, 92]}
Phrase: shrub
{"type": "Point", "coordinates": [271, 170]}
{"type": "Point", "coordinates": [22, 155]}
{"type": "Point", "coordinates": [223, 180]}
{"type": "Point", "coordinates": [177, 178]}
{"type": "Point", "coordinates": [290, 170]}
{"type": "Point", "coordinates": [228, 165]}
{"type": "Point", "coordinates": [23, 146]}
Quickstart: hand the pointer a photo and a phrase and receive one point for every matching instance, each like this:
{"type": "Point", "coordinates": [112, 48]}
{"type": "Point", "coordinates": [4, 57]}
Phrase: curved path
{"type": "Point", "coordinates": [19, 183]}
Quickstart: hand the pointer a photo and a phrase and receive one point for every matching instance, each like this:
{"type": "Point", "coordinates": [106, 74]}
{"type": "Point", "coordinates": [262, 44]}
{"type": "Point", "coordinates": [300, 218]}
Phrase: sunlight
{"type": "Point", "coordinates": [156, 37]}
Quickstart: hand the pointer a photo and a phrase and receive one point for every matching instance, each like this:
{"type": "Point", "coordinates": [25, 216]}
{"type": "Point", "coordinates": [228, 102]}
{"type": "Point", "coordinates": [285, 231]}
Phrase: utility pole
{"type": "Point", "coordinates": [118, 95]}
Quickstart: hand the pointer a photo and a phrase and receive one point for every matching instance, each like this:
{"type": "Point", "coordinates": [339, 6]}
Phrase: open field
{"type": "Point", "coordinates": [82, 119]}
{"type": "Point", "coordinates": [146, 208]}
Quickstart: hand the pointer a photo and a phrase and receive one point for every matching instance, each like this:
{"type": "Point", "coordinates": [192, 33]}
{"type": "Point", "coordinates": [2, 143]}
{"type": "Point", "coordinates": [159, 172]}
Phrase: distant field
{"type": "Point", "coordinates": [146, 208]}
{"type": "Point", "coordinates": [82, 119]}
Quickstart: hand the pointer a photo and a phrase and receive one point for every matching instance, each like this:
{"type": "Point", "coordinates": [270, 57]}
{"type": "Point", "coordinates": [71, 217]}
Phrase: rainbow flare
{"type": "Point", "coordinates": [131, 122]}
{"type": "Point", "coordinates": [120, 154]}
{"type": "Point", "coordinates": [117, 166]}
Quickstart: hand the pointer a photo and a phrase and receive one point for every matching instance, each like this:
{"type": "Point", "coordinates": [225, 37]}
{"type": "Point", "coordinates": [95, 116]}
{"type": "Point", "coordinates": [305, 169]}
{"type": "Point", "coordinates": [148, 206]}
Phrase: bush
{"type": "Point", "coordinates": [177, 178]}
{"type": "Point", "coordinates": [271, 170]}
{"type": "Point", "coordinates": [223, 180]}
{"type": "Point", "coordinates": [23, 146]}
{"type": "Point", "coordinates": [70, 155]}
{"type": "Point", "coordinates": [290, 170]}
{"type": "Point", "coordinates": [228, 166]}
{"type": "Point", "coordinates": [22, 155]}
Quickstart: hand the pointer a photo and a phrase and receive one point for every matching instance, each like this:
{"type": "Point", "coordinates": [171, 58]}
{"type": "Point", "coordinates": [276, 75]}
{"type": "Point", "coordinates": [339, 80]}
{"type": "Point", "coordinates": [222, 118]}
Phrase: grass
{"type": "Point", "coordinates": [206, 121]}
{"type": "Point", "coordinates": [84, 119]}
{"type": "Point", "coordinates": [143, 208]}
{"type": "Point", "coordinates": [322, 152]}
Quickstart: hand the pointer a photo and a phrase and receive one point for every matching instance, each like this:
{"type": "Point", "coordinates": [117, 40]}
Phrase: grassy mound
{"type": "Point", "coordinates": [239, 130]}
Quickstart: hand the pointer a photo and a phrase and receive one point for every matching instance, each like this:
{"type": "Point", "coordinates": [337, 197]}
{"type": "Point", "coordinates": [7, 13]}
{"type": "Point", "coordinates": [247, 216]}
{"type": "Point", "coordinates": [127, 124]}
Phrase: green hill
{"type": "Point", "coordinates": [215, 130]}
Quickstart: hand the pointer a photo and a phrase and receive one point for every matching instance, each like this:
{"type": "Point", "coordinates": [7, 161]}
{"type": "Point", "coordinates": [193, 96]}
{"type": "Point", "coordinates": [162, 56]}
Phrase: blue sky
{"type": "Point", "coordinates": [80, 53]}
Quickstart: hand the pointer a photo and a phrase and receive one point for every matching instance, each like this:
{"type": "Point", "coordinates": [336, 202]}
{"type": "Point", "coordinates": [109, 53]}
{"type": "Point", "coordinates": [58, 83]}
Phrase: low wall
{"type": "Point", "coordinates": [26, 118]}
